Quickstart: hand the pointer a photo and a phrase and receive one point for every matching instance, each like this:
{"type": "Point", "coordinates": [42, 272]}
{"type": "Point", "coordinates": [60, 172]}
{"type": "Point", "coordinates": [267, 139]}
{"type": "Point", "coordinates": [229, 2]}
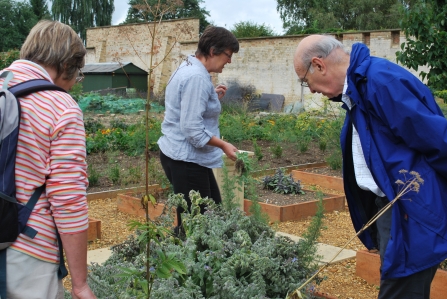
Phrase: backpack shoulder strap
{"type": "Point", "coordinates": [31, 86]}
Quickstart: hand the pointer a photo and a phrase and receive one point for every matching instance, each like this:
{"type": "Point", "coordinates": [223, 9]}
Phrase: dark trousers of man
{"type": "Point", "coordinates": [187, 176]}
{"type": "Point", "coordinates": [415, 286]}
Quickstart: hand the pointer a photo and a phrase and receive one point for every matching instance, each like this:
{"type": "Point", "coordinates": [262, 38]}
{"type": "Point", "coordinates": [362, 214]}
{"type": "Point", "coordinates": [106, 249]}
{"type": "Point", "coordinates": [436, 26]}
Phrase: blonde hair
{"type": "Point", "coordinates": [56, 45]}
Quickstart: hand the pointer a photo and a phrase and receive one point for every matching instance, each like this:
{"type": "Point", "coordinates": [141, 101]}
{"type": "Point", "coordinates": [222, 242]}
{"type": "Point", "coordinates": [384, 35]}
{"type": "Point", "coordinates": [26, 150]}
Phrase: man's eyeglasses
{"type": "Point", "coordinates": [80, 77]}
{"type": "Point", "coordinates": [303, 81]}
{"type": "Point", "coordinates": [228, 55]}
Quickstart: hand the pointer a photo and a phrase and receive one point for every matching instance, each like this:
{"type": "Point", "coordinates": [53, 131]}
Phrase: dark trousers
{"type": "Point", "coordinates": [187, 176]}
{"type": "Point", "coordinates": [415, 286]}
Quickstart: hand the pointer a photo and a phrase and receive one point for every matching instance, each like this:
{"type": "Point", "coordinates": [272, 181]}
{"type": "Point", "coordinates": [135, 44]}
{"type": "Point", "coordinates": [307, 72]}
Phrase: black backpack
{"type": "Point", "coordinates": [14, 215]}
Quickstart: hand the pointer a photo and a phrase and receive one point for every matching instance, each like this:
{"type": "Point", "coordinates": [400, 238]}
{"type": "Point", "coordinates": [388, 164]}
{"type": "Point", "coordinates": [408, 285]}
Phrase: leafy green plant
{"type": "Point", "coordinates": [93, 176]}
{"type": "Point", "coordinates": [76, 91]}
{"type": "Point", "coordinates": [134, 175]}
{"type": "Point", "coordinates": [441, 94]}
{"type": "Point", "coordinates": [226, 254]}
{"type": "Point", "coordinates": [303, 143]}
{"type": "Point", "coordinates": [92, 125]}
{"type": "Point", "coordinates": [118, 124]}
{"type": "Point", "coordinates": [335, 160]}
{"type": "Point", "coordinates": [281, 183]}
{"type": "Point", "coordinates": [322, 145]}
{"type": "Point", "coordinates": [276, 150]}
{"type": "Point", "coordinates": [115, 174]}
{"type": "Point", "coordinates": [257, 150]}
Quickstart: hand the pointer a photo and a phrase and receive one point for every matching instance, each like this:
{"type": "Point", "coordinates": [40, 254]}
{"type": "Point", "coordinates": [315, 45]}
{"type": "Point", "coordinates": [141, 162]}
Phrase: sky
{"type": "Point", "coordinates": [225, 13]}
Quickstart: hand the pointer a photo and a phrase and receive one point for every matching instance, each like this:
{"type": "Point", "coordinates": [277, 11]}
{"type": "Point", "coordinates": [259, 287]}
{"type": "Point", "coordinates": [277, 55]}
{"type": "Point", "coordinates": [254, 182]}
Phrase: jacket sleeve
{"type": "Point", "coordinates": [409, 110]}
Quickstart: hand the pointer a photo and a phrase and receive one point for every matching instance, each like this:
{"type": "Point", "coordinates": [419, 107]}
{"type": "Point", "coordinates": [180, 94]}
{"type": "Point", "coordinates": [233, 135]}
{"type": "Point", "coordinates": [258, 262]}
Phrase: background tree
{"type": "Point", "coordinates": [425, 27]}
{"type": "Point", "coordinates": [189, 9]}
{"type": "Point", "coordinates": [16, 20]}
{"type": "Point", "coordinates": [82, 14]}
{"type": "Point", "coordinates": [311, 16]}
{"type": "Point", "coordinates": [40, 9]}
{"type": "Point", "coordinates": [251, 29]}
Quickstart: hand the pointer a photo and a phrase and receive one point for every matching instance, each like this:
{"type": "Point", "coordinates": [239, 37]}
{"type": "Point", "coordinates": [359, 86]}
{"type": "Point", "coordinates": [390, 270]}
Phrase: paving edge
{"type": "Point", "coordinates": [327, 252]}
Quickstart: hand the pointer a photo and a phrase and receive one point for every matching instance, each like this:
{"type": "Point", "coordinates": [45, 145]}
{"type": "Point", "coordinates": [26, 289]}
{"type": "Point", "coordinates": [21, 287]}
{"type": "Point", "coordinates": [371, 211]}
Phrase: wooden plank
{"type": "Point", "coordinates": [94, 229]}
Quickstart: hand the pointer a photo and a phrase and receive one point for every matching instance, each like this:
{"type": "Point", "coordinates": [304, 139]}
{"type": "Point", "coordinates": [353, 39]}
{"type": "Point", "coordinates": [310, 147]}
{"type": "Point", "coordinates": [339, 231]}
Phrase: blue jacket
{"type": "Point", "coordinates": [400, 127]}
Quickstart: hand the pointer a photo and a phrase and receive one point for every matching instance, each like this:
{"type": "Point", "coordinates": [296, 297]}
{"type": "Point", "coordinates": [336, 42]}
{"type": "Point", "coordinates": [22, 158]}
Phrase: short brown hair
{"type": "Point", "coordinates": [217, 38]}
{"type": "Point", "coordinates": [56, 45]}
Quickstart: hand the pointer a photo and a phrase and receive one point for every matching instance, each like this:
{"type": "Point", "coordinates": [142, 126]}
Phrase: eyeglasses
{"type": "Point", "coordinates": [303, 81]}
{"type": "Point", "coordinates": [228, 55]}
{"type": "Point", "coordinates": [80, 77]}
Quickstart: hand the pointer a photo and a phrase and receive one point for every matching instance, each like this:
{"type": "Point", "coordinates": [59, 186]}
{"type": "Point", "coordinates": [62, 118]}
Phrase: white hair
{"type": "Point", "coordinates": [322, 48]}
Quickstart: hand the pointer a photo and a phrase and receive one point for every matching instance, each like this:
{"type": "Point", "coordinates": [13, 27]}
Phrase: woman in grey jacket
{"type": "Point", "coordinates": [190, 145]}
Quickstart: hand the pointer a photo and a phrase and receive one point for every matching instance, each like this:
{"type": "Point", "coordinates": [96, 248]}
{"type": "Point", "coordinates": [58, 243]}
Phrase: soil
{"type": "Point", "coordinates": [325, 171]}
{"type": "Point", "coordinates": [279, 199]}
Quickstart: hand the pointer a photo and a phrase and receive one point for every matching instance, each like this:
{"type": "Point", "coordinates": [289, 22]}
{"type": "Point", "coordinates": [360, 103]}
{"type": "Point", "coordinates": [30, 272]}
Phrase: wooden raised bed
{"type": "Point", "coordinates": [300, 210]}
{"type": "Point", "coordinates": [129, 204]}
{"type": "Point", "coordinates": [94, 229]}
{"type": "Point", "coordinates": [368, 268]}
{"type": "Point", "coordinates": [324, 181]}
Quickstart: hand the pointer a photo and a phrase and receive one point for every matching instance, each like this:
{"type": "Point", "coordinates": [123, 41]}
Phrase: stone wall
{"type": "Point", "coordinates": [266, 63]}
{"type": "Point", "coordinates": [132, 43]}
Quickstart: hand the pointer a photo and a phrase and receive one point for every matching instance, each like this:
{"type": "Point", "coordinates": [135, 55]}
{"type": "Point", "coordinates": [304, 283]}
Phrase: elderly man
{"type": "Point", "coordinates": [392, 123]}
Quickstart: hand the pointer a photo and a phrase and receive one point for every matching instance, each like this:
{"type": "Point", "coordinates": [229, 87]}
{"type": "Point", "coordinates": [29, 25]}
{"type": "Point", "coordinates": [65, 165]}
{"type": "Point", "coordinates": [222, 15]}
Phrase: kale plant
{"type": "Point", "coordinates": [281, 183]}
{"type": "Point", "coordinates": [226, 254]}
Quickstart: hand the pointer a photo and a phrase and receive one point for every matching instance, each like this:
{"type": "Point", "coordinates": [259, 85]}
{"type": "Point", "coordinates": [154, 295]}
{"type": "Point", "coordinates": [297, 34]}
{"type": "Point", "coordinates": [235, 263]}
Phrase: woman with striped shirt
{"type": "Point", "coordinates": [50, 151]}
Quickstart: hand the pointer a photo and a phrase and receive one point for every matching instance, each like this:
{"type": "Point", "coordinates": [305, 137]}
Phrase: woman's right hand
{"type": "Point", "coordinates": [230, 150]}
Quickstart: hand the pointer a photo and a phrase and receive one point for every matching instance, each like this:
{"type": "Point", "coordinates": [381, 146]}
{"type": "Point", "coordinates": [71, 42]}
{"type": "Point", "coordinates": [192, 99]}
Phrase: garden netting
{"type": "Point", "coordinates": [96, 103]}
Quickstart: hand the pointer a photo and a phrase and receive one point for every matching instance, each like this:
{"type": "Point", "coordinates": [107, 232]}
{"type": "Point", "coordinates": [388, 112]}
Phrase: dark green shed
{"type": "Point", "coordinates": [113, 75]}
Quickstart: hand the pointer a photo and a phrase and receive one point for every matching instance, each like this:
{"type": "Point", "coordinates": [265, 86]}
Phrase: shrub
{"type": "Point", "coordinates": [281, 183]}
{"type": "Point", "coordinates": [6, 58]}
{"type": "Point", "coordinates": [441, 94]}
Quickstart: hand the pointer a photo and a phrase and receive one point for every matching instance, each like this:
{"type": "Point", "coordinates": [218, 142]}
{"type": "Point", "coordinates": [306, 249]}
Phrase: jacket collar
{"type": "Point", "coordinates": [360, 60]}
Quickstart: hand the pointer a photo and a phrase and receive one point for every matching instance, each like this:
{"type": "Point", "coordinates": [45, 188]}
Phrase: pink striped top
{"type": "Point", "coordinates": [51, 145]}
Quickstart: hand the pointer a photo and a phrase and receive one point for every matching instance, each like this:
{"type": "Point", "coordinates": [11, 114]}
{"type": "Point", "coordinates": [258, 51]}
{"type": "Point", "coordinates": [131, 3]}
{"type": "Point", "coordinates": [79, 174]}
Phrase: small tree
{"type": "Point", "coordinates": [16, 20]}
{"type": "Point", "coordinates": [81, 14]}
{"type": "Point", "coordinates": [425, 28]}
{"type": "Point", "coordinates": [40, 9]}
{"type": "Point", "coordinates": [189, 9]}
{"type": "Point", "coordinates": [251, 29]}
{"type": "Point", "coordinates": [154, 11]}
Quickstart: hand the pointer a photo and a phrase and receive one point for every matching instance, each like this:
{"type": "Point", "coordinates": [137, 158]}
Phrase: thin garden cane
{"type": "Point", "coordinates": [408, 185]}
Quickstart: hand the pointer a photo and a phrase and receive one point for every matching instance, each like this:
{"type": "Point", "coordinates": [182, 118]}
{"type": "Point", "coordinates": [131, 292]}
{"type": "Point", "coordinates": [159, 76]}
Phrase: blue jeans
{"type": "Point", "coordinates": [415, 286]}
{"type": "Point", "coordinates": [187, 176]}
